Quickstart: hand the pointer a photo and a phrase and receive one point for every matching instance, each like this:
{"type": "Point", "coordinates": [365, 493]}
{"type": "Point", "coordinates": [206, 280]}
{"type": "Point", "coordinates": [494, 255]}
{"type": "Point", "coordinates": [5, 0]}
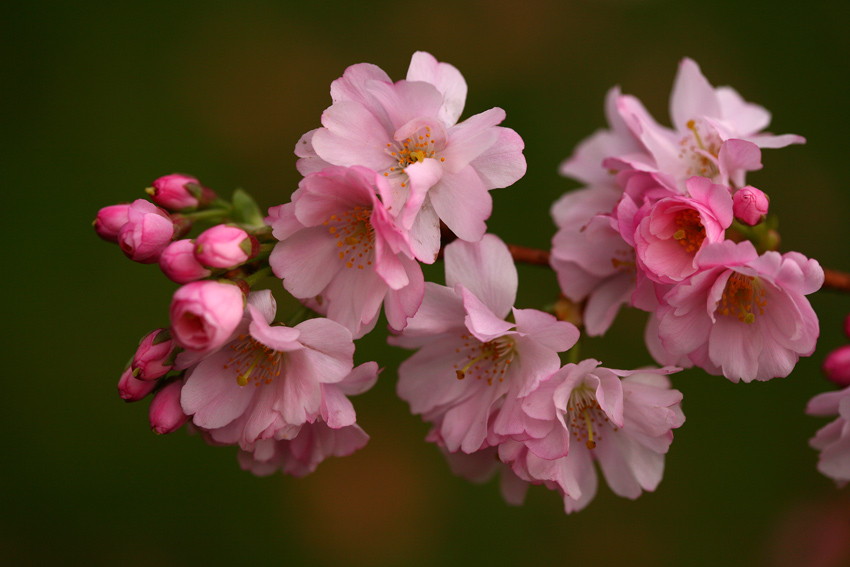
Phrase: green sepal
{"type": "Point", "coordinates": [245, 210]}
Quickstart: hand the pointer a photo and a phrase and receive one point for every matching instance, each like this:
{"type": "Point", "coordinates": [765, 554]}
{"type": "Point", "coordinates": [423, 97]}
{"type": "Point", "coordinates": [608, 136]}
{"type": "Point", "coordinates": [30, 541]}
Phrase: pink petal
{"type": "Point", "coordinates": [446, 78]}
{"type": "Point", "coordinates": [486, 269]}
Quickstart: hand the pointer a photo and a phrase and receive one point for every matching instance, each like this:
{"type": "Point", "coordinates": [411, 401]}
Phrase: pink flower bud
{"type": "Point", "coordinates": [109, 221]}
{"type": "Point", "coordinates": [152, 357]}
{"type": "Point", "coordinates": [847, 326]}
{"type": "Point", "coordinates": [177, 192]}
{"type": "Point", "coordinates": [179, 264]}
{"type": "Point", "coordinates": [147, 232]}
{"type": "Point", "coordinates": [166, 413]}
{"type": "Point", "coordinates": [749, 205]}
{"type": "Point", "coordinates": [836, 366]}
{"type": "Point", "coordinates": [204, 314]}
{"type": "Point", "coordinates": [131, 389]}
{"type": "Point", "coordinates": [224, 246]}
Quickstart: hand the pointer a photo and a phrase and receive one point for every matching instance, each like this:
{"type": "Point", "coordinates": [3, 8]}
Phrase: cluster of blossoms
{"type": "Point", "coordinates": [389, 178]}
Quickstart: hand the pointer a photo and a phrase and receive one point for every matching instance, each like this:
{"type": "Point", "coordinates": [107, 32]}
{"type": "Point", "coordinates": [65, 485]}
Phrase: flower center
{"type": "Point", "coordinates": [691, 233]}
{"type": "Point", "coordinates": [741, 297]}
{"type": "Point", "coordinates": [699, 149]}
{"type": "Point", "coordinates": [487, 361]}
{"type": "Point", "coordinates": [585, 417]}
{"type": "Point", "coordinates": [254, 362]}
{"type": "Point", "coordinates": [355, 236]}
{"type": "Point", "coordinates": [414, 149]}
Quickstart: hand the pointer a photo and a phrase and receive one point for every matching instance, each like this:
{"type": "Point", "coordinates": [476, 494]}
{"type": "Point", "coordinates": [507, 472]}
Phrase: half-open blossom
{"type": "Point", "coordinates": [472, 361]}
{"type": "Point", "coordinates": [339, 244]}
{"type": "Point", "coordinates": [267, 379]}
{"type": "Point", "coordinates": [750, 205]}
{"type": "Point", "coordinates": [225, 246]}
{"type": "Point", "coordinates": [586, 413]}
{"type": "Point", "coordinates": [146, 233]}
{"type": "Point", "coordinates": [743, 315]}
{"type": "Point", "coordinates": [179, 264]}
{"type": "Point", "coordinates": [671, 233]}
{"type": "Point", "coordinates": [204, 314]}
{"type": "Point", "coordinates": [407, 131]}
{"type": "Point", "coordinates": [833, 440]}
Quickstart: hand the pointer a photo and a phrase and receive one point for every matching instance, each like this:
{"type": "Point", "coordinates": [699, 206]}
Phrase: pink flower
{"type": "Point", "coordinates": [836, 366]}
{"type": "Point", "coordinates": [153, 357]}
{"type": "Point", "coordinates": [833, 440]}
{"type": "Point", "coordinates": [132, 389]}
{"type": "Point", "coordinates": [750, 205]}
{"type": "Point", "coordinates": [146, 233]}
{"type": "Point", "coordinates": [471, 361]}
{"type": "Point", "coordinates": [165, 413]}
{"type": "Point", "coordinates": [179, 264]}
{"type": "Point", "coordinates": [109, 221]}
{"type": "Point", "coordinates": [586, 413]}
{"type": "Point", "coordinates": [178, 192]}
{"type": "Point", "coordinates": [204, 314]}
{"type": "Point", "coordinates": [267, 381]}
{"type": "Point", "coordinates": [408, 132]}
{"type": "Point", "coordinates": [224, 246]}
{"type": "Point", "coordinates": [742, 315]}
{"type": "Point", "coordinates": [339, 243]}
{"type": "Point", "coordinates": [671, 233]}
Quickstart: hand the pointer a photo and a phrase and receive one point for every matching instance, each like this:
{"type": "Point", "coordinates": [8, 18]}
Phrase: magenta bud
{"type": "Point", "coordinates": [109, 221]}
{"type": "Point", "coordinates": [223, 246]}
{"type": "Point", "coordinates": [847, 326]}
{"type": "Point", "coordinates": [147, 232]}
{"type": "Point", "coordinates": [204, 314]}
{"type": "Point", "coordinates": [179, 264]}
{"type": "Point", "coordinates": [836, 366]}
{"type": "Point", "coordinates": [132, 389]}
{"type": "Point", "coordinates": [749, 205]}
{"type": "Point", "coordinates": [178, 192]}
{"type": "Point", "coordinates": [166, 413]}
{"type": "Point", "coordinates": [152, 359]}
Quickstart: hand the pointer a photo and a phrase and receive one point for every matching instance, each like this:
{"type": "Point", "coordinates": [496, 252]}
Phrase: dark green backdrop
{"type": "Point", "coordinates": [98, 100]}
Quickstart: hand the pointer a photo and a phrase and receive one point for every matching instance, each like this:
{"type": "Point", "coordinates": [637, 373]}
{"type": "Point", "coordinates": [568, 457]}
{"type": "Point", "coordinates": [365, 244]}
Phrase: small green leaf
{"type": "Point", "coordinates": [245, 210]}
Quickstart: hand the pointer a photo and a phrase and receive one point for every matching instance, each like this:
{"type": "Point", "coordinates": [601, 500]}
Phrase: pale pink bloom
{"type": "Point", "coordinates": [590, 257]}
{"type": "Point", "coordinates": [267, 380]}
{"type": "Point", "coordinates": [146, 233]}
{"type": "Point", "coordinates": [204, 314]}
{"type": "Point", "coordinates": [224, 246]}
{"type": "Point", "coordinates": [132, 389]}
{"type": "Point", "coordinates": [750, 205]}
{"type": "Point", "coordinates": [179, 264]}
{"type": "Point", "coordinates": [716, 134]}
{"type": "Point", "coordinates": [178, 192]}
{"type": "Point", "coordinates": [340, 245]}
{"type": "Point", "coordinates": [836, 366]}
{"type": "Point", "coordinates": [671, 233]}
{"type": "Point", "coordinates": [471, 361]}
{"type": "Point", "coordinates": [110, 220]}
{"type": "Point", "coordinates": [586, 413]}
{"type": "Point", "coordinates": [165, 413]}
{"type": "Point", "coordinates": [407, 131]}
{"type": "Point", "coordinates": [833, 440]}
{"type": "Point", "coordinates": [743, 315]}
{"type": "Point", "coordinates": [153, 357]}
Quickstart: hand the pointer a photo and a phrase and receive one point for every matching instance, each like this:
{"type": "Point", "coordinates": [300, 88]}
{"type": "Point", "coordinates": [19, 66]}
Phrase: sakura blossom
{"type": "Point", "coordinates": [833, 440]}
{"type": "Point", "coordinates": [408, 131]}
{"type": "Point", "coordinates": [471, 361]}
{"type": "Point", "coordinates": [340, 245]}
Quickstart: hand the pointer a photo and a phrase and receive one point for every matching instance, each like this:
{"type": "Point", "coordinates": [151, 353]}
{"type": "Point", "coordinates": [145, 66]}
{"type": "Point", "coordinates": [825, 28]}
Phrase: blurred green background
{"type": "Point", "coordinates": [100, 99]}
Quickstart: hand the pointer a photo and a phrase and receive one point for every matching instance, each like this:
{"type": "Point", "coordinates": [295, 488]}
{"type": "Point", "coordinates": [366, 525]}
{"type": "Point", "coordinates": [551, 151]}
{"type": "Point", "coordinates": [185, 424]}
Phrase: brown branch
{"type": "Point", "coordinates": [833, 279]}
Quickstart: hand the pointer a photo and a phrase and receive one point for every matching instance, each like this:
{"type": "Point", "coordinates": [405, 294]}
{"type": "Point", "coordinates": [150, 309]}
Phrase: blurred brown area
{"type": "Point", "coordinates": [101, 98]}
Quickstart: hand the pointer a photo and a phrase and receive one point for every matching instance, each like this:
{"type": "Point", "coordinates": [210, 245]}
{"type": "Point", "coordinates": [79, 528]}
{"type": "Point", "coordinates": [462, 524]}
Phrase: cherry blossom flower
{"type": "Point", "coordinates": [833, 440]}
{"type": "Point", "coordinates": [436, 168]}
{"type": "Point", "coordinates": [472, 361]}
{"type": "Point", "coordinates": [586, 413]}
{"type": "Point", "coordinates": [743, 315]}
{"type": "Point", "coordinates": [266, 381]}
{"type": "Point", "coordinates": [339, 243]}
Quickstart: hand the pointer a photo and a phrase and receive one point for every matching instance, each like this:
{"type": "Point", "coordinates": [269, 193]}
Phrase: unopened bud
{"type": "Point", "coordinates": [166, 413]}
{"type": "Point", "coordinates": [152, 357]}
{"type": "Point", "coordinates": [836, 366]}
{"type": "Point", "coordinates": [750, 205]}
{"type": "Point", "coordinates": [223, 246]}
{"type": "Point", "coordinates": [109, 221]}
{"type": "Point", "coordinates": [147, 232]}
{"type": "Point", "coordinates": [178, 192]}
{"type": "Point", "coordinates": [179, 264]}
{"type": "Point", "coordinates": [132, 389]}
